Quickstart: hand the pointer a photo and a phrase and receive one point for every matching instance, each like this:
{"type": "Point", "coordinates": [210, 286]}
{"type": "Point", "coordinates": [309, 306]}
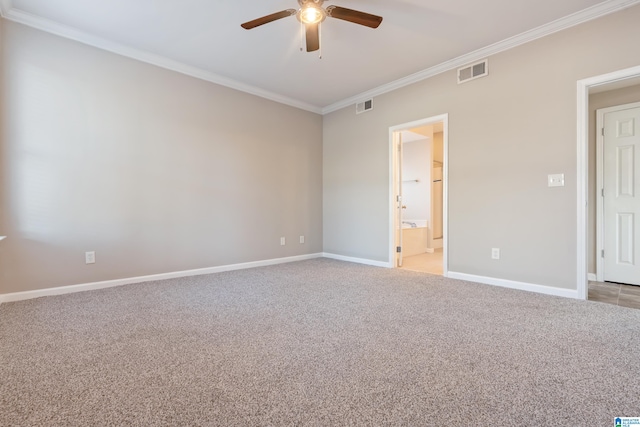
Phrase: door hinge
{"type": "Point", "coordinates": [602, 192]}
{"type": "Point", "coordinates": [398, 249]}
{"type": "Point", "coordinates": [602, 254]}
{"type": "Point", "coordinates": [602, 131]}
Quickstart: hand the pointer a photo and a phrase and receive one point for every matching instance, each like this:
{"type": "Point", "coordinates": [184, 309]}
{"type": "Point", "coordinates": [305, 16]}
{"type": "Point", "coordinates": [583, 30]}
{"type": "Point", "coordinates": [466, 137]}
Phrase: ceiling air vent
{"type": "Point", "coordinates": [473, 71]}
{"type": "Point", "coordinates": [363, 106]}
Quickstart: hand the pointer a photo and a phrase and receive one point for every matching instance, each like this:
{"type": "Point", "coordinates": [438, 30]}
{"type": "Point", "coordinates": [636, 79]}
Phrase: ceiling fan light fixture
{"type": "Point", "coordinates": [311, 13]}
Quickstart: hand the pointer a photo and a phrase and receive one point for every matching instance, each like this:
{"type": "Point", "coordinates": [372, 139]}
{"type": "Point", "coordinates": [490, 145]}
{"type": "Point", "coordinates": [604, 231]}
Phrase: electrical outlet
{"type": "Point", "coordinates": [301, 239]}
{"type": "Point", "coordinates": [495, 253]}
{"type": "Point", "coordinates": [555, 180]}
{"type": "Point", "coordinates": [90, 257]}
{"type": "Point", "coordinates": [282, 241]}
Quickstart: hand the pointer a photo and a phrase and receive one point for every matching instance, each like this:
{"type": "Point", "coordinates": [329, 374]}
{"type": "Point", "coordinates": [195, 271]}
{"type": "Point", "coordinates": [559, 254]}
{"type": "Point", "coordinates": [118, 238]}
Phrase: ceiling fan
{"type": "Point", "coordinates": [311, 14]}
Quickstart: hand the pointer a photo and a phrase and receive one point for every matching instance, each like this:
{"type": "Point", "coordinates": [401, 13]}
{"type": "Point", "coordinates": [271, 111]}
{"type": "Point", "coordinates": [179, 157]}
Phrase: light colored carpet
{"type": "Point", "coordinates": [318, 342]}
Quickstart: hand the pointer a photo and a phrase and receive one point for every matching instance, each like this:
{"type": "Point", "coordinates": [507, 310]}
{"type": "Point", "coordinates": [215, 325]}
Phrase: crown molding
{"type": "Point", "coordinates": [149, 58]}
{"type": "Point", "coordinates": [611, 6]}
{"type": "Point", "coordinates": [569, 21]}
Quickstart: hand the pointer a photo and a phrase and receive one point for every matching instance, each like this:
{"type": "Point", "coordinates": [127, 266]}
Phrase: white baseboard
{"type": "Point", "coordinates": [357, 260]}
{"type": "Point", "coordinates": [19, 296]}
{"type": "Point", "coordinates": [592, 277]}
{"type": "Point", "coordinates": [512, 284]}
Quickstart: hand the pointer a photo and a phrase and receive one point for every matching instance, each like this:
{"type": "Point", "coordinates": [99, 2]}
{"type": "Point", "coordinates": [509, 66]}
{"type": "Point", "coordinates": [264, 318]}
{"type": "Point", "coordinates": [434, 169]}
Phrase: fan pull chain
{"type": "Point", "coordinates": [320, 41]}
{"type": "Point", "coordinates": [301, 36]}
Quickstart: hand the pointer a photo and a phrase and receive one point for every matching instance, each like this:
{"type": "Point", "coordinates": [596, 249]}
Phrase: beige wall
{"type": "Point", "coordinates": [596, 101]}
{"type": "Point", "coordinates": [155, 171]}
{"type": "Point", "coordinates": [507, 131]}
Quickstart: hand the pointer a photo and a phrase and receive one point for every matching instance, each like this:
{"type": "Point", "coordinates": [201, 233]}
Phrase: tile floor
{"type": "Point", "coordinates": [615, 293]}
{"type": "Point", "coordinates": [425, 263]}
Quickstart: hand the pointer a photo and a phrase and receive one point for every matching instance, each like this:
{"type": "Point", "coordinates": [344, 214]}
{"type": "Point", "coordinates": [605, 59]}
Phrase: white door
{"type": "Point", "coordinates": [398, 142]}
{"type": "Point", "coordinates": [622, 196]}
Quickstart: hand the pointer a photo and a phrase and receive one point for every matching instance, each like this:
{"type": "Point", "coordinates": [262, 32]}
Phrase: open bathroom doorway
{"type": "Point", "coordinates": [419, 193]}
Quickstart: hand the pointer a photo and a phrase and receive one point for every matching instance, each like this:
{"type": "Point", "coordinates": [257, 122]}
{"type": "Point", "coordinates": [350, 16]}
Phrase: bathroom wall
{"type": "Point", "coordinates": [438, 148]}
{"type": "Point", "coordinates": [436, 223]}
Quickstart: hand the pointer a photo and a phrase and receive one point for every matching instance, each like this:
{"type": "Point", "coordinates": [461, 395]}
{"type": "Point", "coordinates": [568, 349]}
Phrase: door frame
{"type": "Point", "coordinates": [582, 183]}
{"type": "Point", "coordinates": [393, 176]}
{"type": "Point", "coordinates": [600, 232]}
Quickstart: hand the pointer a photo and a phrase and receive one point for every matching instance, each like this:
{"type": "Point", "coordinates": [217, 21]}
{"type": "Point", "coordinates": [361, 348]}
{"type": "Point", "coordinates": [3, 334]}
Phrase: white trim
{"type": "Point", "coordinates": [589, 14]}
{"type": "Point", "coordinates": [445, 195]}
{"type": "Point", "coordinates": [582, 151]}
{"type": "Point", "coordinates": [512, 284]}
{"type": "Point", "coordinates": [592, 277]}
{"type": "Point", "coordinates": [599, 199]}
{"type": "Point", "coordinates": [150, 58]}
{"type": "Point", "coordinates": [582, 187]}
{"type": "Point", "coordinates": [444, 118]}
{"type": "Point", "coordinates": [357, 260]}
{"type": "Point", "coordinates": [600, 236]}
{"type": "Point", "coordinates": [19, 296]}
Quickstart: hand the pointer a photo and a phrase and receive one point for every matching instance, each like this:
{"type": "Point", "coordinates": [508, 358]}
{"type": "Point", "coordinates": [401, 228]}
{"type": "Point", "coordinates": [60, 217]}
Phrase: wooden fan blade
{"type": "Point", "coordinates": [269, 18]}
{"type": "Point", "coordinates": [357, 17]}
{"type": "Point", "coordinates": [313, 37]}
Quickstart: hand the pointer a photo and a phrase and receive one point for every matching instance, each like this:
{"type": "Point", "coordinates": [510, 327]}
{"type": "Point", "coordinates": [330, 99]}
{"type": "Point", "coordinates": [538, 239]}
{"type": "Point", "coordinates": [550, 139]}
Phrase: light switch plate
{"type": "Point", "coordinates": [556, 180]}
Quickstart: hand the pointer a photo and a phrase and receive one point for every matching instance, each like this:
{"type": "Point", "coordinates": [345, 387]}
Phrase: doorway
{"type": "Point", "coordinates": [618, 204]}
{"type": "Point", "coordinates": [418, 202]}
{"type": "Point", "coordinates": [619, 78]}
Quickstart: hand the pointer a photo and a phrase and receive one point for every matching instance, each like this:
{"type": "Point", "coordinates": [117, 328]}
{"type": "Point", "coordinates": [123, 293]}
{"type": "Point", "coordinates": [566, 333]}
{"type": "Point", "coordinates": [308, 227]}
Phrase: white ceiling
{"type": "Point", "coordinates": [203, 38]}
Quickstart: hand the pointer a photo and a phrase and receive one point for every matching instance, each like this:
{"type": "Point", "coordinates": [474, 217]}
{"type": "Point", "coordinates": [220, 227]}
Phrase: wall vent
{"type": "Point", "coordinates": [363, 106]}
{"type": "Point", "coordinates": [473, 71]}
